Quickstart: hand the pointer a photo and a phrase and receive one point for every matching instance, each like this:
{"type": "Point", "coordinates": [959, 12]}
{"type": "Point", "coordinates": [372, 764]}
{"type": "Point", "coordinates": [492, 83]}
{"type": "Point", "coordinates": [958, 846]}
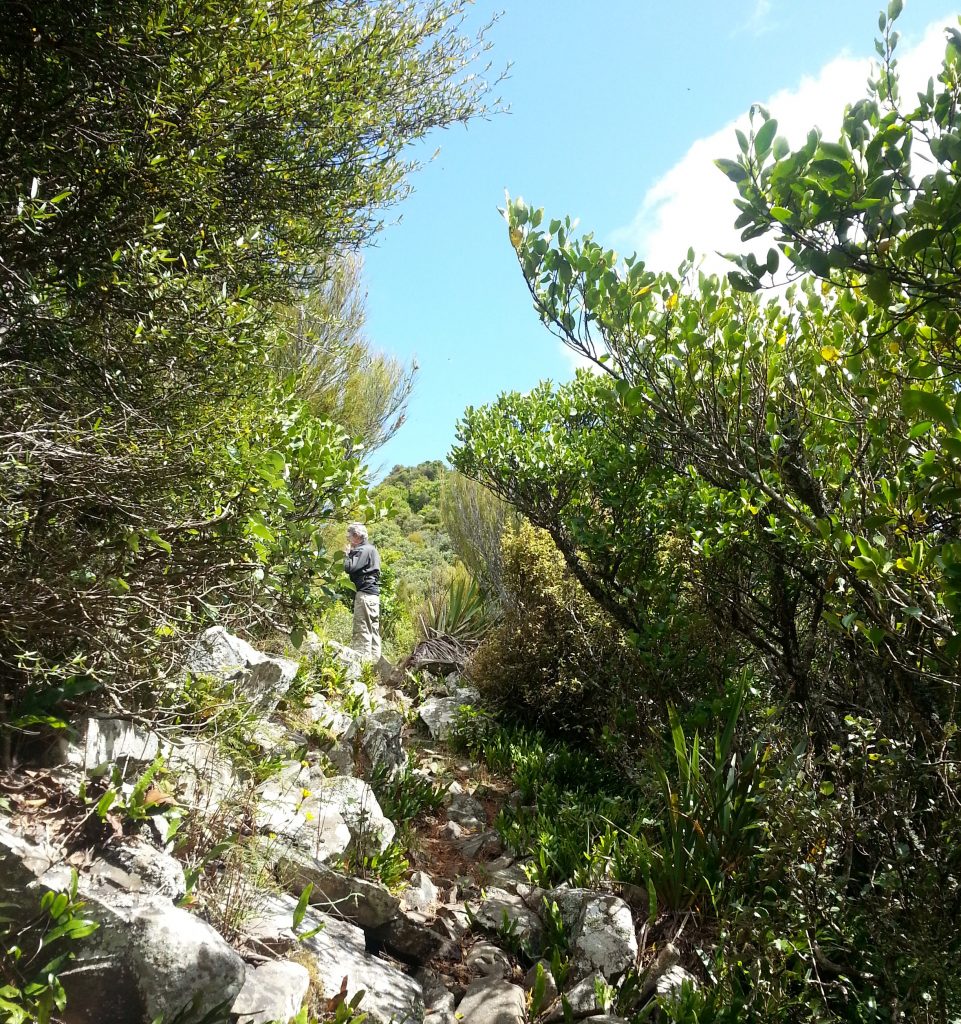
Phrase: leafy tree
{"type": "Point", "coordinates": [476, 520]}
{"type": "Point", "coordinates": [802, 451]}
{"type": "Point", "coordinates": [167, 170]}
{"type": "Point", "coordinates": [322, 346]}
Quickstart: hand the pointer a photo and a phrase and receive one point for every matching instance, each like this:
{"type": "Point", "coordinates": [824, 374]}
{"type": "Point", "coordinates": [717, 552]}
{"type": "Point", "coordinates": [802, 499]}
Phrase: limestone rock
{"type": "Point", "coordinates": [421, 893]}
{"type": "Point", "coordinates": [272, 992]}
{"type": "Point", "coordinates": [136, 866]}
{"type": "Point", "coordinates": [582, 999]}
{"type": "Point", "coordinates": [669, 984]}
{"type": "Point", "coordinates": [452, 830]}
{"type": "Point", "coordinates": [105, 741]}
{"type": "Point", "coordinates": [370, 830]}
{"type": "Point", "coordinates": [492, 1001]}
{"type": "Point", "coordinates": [441, 1016]}
{"type": "Point", "coordinates": [381, 737]}
{"type": "Point", "coordinates": [205, 778]}
{"type": "Point", "coordinates": [502, 909]}
{"type": "Point", "coordinates": [338, 952]}
{"type": "Point", "coordinates": [147, 959]}
{"type": "Point", "coordinates": [258, 677]}
{"type": "Point", "coordinates": [513, 878]}
{"type": "Point", "coordinates": [484, 844]}
{"type": "Point", "coordinates": [437, 996]}
{"type": "Point", "coordinates": [486, 959]}
{"type": "Point", "coordinates": [319, 709]}
{"type": "Point", "coordinates": [452, 922]}
{"type": "Point", "coordinates": [550, 985]}
{"type": "Point", "coordinates": [604, 939]}
{"type": "Point", "coordinates": [271, 738]}
{"type": "Point", "coordinates": [22, 861]}
{"type": "Point", "coordinates": [439, 715]}
{"type": "Point", "coordinates": [347, 657]}
{"type": "Point", "coordinates": [570, 903]}
{"type": "Point", "coordinates": [413, 940]}
{"type": "Point", "coordinates": [288, 807]}
{"type": "Point", "coordinates": [367, 904]}
{"type": "Point", "coordinates": [601, 931]}
{"type": "Point", "coordinates": [466, 811]}
{"type": "Point", "coordinates": [459, 690]}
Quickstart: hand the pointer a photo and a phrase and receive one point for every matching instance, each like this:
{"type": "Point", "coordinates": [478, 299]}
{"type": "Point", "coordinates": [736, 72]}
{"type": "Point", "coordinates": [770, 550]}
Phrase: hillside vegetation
{"type": "Point", "coordinates": [686, 625]}
{"type": "Point", "coordinates": [757, 491]}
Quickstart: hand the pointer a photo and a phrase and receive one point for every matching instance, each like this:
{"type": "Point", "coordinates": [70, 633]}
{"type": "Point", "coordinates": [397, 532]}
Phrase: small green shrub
{"type": "Point", "coordinates": [226, 715]}
{"type": "Point", "coordinates": [572, 805]}
{"type": "Point", "coordinates": [405, 796]}
{"type": "Point", "coordinates": [710, 816]}
{"type": "Point", "coordinates": [389, 866]}
{"type": "Point", "coordinates": [323, 673]}
{"type": "Point", "coordinates": [555, 660]}
{"type": "Point", "coordinates": [460, 610]}
{"type": "Point", "coordinates": [36, 953]}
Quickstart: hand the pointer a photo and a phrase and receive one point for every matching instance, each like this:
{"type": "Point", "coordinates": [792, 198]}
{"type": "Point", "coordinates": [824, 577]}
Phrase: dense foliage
{"type": "Point", "coordinates": [168, 170]}
{"type": "Point", "coordinates": [476, 521]}
{"type": "Point", "coordinates": [320, 345]}
{"type": "Point", "coordinates": [800, 454]}
{"type": "Point", "coordinates": [555, 660]}
{"type": "Point", "coordinates": [412, 539]}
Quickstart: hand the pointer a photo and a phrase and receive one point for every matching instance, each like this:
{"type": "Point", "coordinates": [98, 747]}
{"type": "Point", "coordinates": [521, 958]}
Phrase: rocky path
{"type": "Point", "coordinates": [290, 909]}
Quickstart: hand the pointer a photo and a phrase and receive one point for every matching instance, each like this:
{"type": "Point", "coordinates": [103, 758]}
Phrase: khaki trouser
{"type": "Point", "coordinates": [366, 639]}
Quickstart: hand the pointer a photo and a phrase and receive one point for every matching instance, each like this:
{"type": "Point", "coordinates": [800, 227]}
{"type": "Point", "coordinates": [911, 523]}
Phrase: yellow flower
{"type": "Point", "coordinates": [830, 354]}
{"type": "Point", "coordinates": [671, 301]}
{"type": "Point", "coordinates": [305, 793]}
{"type": "Point", "coordinates": [309, 815]}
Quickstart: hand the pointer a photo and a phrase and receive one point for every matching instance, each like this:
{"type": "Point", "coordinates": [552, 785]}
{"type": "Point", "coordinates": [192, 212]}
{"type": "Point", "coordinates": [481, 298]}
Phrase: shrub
{"type": "Point", "coordinates": [460, 610]}
{"type": "Point", "coordinates": [555, 660]}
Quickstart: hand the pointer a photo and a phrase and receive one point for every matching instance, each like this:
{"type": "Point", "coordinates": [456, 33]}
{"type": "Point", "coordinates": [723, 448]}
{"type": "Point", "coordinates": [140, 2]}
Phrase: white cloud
{"type": "Point", "coordinates": [759, 21]}
{"type": "Point", "coordinates": [692, 204]}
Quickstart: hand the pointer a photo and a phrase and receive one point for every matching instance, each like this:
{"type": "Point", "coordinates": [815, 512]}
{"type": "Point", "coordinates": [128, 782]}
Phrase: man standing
{"type": "Point", "coordinates": [362, 565]}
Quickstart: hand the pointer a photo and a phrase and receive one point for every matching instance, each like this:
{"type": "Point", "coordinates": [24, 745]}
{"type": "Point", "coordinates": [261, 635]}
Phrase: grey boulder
{"type": "Point", "coordinates": [260, 678]}
{"type": "Point", "coordinates": [601, 931]}
{"type": "Point", "coordinates": [492, 1000]}
{"type": "Point", "coordinates": [149, 959]}
{"type": "Point", "coordinates": [381, 737]}
{"type": "Point", "coordinates": [272, 993]}
{"type": "Point", "coordinates": [502, 911]}
{"type": "Point", "coordinates": [440, 714]}
{"type": "Point", "coordinates": [367, 904]}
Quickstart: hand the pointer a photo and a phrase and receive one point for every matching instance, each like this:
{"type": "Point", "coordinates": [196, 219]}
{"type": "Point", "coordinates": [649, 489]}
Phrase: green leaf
{"type": "Point", "coordinates": [158, 541]}
{"type": "Point", "coordinates": [732, 170]}
{"type": "Point", "coordinates": [913, 244]}
{"type": "Point", "coordinates": [259, 529]}
{"type": "Point", "coordinates": [781, 213]}
{"type": "Point", "coordinates": [301, 909]}
{"type": "Point", "coordinates": [932, 406]}
{"type": "Point", "coordinates": [764, 138]}
{"type": "Point", "coordinates": [826, 788]}
{"type": "Point", "coordinates": [953, 445]}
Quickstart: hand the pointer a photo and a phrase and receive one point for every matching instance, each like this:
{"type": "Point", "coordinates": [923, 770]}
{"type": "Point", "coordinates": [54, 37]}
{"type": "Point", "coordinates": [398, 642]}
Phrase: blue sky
{"type": "Point", "coordinates": [617, 108]}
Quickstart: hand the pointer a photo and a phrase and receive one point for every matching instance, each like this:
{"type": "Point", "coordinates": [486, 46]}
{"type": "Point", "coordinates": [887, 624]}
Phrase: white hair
{"type": "Point", "coordinates": [357, 530]}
